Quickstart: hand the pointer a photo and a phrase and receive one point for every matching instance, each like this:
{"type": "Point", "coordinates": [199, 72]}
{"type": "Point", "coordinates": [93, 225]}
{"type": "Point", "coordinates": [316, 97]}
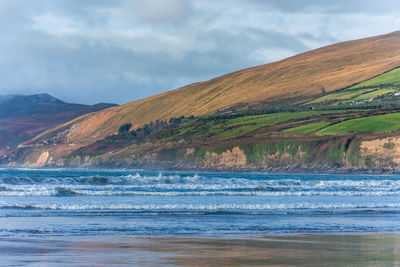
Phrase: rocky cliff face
{"type": "Point", "coordinates": [372, 156]}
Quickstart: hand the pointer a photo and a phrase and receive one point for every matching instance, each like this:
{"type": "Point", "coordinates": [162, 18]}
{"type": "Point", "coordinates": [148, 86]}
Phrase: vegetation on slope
{"type": "Point", "coordinates": [309, 136]}
{"type": "Point", "coordinates": [389, 78]}
{"type": "Point", "coordinates": [307, 128]}
{"type": "Point", "coordinates": [300, 78]}
{"type": "Point", "coordinates": [311, 110]}
{"type": "Point", "coordinates": [371, 124]}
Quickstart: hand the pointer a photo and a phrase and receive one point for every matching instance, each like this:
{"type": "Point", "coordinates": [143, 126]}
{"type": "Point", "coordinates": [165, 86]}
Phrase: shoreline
{"type": "Point", "coordinates": [259, 250]}
{"type": "Point", "coordinates": [165, 168]}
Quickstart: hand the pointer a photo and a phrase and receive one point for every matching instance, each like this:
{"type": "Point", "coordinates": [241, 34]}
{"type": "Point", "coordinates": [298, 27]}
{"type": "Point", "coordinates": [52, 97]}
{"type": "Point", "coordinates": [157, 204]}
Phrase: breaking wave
{"type": "Point", "coordinates": [195, 185]}
{"type": "Point", "coordinates": [197, 207]}
{"type": "Point", "coordinates": [91, 202]}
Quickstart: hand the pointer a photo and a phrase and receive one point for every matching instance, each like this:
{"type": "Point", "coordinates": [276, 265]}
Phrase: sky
{"type": "Point", "coordinates": [117, 51]}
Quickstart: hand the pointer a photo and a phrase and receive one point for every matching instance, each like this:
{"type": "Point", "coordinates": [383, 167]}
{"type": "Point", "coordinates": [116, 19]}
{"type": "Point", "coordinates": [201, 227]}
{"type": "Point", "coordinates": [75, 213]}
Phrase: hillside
{"type": "Point", "coordinates": [303, 76]}
{"type": "Point", "coordinates": [331, 108]}
{"type": "Point", "coordinates": [23, 117]}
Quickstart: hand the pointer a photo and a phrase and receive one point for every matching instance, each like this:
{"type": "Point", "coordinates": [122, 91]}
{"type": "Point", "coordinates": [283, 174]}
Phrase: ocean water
{"type": "Point", "coordinates": [97, 202]}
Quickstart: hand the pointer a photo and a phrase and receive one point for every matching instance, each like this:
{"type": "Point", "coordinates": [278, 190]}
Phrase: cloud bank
{"type": "Point", "coordinates": [118, 51]}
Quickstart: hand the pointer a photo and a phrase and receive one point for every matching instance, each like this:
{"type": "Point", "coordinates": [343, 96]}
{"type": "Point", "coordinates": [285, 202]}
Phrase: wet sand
{"type": "Point", "coordinates": [289, 250]}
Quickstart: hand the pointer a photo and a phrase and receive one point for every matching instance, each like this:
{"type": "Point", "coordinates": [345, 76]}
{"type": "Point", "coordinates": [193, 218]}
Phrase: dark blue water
{"type": "Point", "coordinates": [87, 202]}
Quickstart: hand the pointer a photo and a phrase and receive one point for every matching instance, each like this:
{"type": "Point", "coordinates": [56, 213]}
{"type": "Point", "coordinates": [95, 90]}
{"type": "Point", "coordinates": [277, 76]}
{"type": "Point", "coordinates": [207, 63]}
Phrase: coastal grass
{"type": "Point", "coordinates": [377, 93]}
{"type": "Point", "coordinates": [338, 96]}
{"type": "Point", "coordinates": [238, 126]}
{"type": "Point", "coordinates": [379, 123]}
{"type": "Point", "coordinates": [247, 124]}
{"type": "Point", "coordinates": [354, 95]}
{"type": "Point", "coordinates": [272, 153]}
{"type": "Point", "coordinates": [307, 128]}
{"type": "Point", "coordinates": [391, 77]}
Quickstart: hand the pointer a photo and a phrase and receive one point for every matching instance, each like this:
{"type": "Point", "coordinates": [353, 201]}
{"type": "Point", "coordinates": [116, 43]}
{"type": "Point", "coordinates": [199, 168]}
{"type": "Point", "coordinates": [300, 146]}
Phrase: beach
{"type": "Point", "coordinates": [284, 250]}
{"type": "Point", "coordinates": [144, 218]}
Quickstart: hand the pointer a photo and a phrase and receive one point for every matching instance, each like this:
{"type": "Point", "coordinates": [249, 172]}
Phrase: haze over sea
{"type": "Point", "coordinates": [98, 202]}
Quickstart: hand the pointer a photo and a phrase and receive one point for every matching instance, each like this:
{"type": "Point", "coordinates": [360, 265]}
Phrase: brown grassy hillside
{"type": "Point", "coordinates": [322, 70]}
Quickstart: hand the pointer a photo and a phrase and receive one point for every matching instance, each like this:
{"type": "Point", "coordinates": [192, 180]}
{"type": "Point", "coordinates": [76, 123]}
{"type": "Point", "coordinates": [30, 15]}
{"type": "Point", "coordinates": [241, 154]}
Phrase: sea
{"type": "Point", "coordinates": [77, 202]}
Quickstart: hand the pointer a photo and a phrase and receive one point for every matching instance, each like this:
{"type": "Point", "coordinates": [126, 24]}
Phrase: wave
{"type": "Point", "coordinates": [199, 207]}
{"type": "Point", "coordinates": [194, 179]}
{"type": "Point", "coordinates": [68, 192]}
{"type": "Point", "coordinates": [131, 213]}
{"type": "Point", "coordinates": [140, 184]}
{"type": "Point", "coordinates": [91, 180]}
{"type": "Point", "coordinates": [220, 189]}
{"type": "Point", "coordinates": [203, 183]}
{"type": "Point", "coordinates": [177, 179]}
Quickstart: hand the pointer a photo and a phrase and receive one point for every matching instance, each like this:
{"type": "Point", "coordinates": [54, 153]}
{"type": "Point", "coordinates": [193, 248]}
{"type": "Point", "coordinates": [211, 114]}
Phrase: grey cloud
{"type": "Point", "coordinates": [120, 50]}
{"type": "Point", "coordinates": [155, 11]}
{"type": "Point", "coordinates": [326, 6]}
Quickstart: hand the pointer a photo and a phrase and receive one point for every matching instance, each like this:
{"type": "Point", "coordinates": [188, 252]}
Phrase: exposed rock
{"type": "Point", "coordinates": [42, 160]}
{"type": "Point", "coordinates": [234, 158]}
{"type": "Point", "coordinates": [385, 151]}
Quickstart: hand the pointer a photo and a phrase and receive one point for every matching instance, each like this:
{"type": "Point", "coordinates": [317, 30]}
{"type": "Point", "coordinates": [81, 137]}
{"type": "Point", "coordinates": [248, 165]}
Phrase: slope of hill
{"type": "Point", "coordinates": [322, 109]}
{"type": "Point", "coordinates": [23, 117]}
{"type": "Point", "coordinates": [313, 73]}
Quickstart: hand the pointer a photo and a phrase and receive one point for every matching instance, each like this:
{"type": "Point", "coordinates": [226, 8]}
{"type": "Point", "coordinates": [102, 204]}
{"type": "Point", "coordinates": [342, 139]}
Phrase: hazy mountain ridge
{"type": "Point", "coordinates": [15, 104]}
{"type": "Point", "coordinates": [22, 117]}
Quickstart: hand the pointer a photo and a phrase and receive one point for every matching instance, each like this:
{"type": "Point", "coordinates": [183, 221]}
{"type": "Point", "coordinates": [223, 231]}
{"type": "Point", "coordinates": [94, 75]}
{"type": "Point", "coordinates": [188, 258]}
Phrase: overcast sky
{"type": "Point", "coordinates": [121, 50]}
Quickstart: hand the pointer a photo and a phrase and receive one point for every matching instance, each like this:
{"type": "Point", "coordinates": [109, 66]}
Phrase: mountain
{"type": "Point", "coordinates": [15, 104]}
{"type": "Point", "coordinates": [326, 108]}
{"type": "Point", "coordinates": [322, 70]}
{"type": "Point", "coordinates": [22, 117]}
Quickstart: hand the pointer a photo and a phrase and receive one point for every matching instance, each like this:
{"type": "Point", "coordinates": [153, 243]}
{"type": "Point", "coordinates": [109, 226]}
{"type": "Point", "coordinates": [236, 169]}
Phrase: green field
{"type": "Point", "coordinates": [346, 95]}
{"type": "Point", "coordinates": [336, 96]}
{"type": "Point", "coordinates": [307, 128]}
{"type": "Point", "coordinates": [379, 123]}
{"type": "Point", "coordinates": [238, 126]}
{"type": "Point", "coordinates": [391, 77]}
{"type": "Point", "coordinates": [270, 119]}
{"type": "Point", "coordinates": [390, 81]}
{"type": "Point", "coordinates": [247, 124]}
{"type": "Point", "coordinates": [376, 93]}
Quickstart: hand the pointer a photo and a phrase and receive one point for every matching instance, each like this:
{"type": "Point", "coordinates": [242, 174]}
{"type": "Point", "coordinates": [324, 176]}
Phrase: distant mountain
{"type": "Point", "coordinates": [16, 104]}
{"type": "Point", "coordinates": [24, 116]}
{"type": "Point", "coordinates": [5, 97]}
